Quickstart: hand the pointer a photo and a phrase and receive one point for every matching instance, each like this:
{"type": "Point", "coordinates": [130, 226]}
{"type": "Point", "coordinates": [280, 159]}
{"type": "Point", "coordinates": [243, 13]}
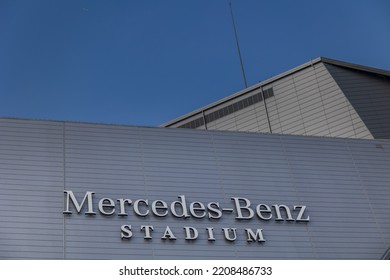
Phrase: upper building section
{"type": "Point", "coordinates": [323, 97]}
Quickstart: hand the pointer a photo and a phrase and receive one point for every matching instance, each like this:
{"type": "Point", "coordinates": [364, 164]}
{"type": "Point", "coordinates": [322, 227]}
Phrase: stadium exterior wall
{"type": "Point", "coordinates": [336, 190]}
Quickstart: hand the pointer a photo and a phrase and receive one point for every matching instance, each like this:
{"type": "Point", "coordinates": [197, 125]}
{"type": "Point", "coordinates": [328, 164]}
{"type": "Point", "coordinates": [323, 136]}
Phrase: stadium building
{"type": "Point", "coordinates": [295, 167]}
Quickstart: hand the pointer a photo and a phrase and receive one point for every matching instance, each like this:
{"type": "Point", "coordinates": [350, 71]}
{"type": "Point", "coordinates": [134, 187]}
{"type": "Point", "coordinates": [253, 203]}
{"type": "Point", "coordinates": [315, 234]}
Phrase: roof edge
{"type": "Point", "coordinates": [242, 92]}
{"type": "Point", "coordinates": [275, 78]}
{"type": "Point", "coordinates": [355, 66]}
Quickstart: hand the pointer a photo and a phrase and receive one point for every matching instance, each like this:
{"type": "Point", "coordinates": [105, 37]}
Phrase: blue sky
{"type": "Point", "coordinates": [147, 62]}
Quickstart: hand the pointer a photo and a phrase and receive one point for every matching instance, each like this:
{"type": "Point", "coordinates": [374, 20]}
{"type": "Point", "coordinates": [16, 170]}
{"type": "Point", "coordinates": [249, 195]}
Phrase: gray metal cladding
{"type": "Point", "coordinates": [31, 177]}
{"type": "Point", "coordinates": [343, 182]}
{"type": "Point", "coordinates": [309, 102]}
{"type": "Point", "coordinates": [370, 96]}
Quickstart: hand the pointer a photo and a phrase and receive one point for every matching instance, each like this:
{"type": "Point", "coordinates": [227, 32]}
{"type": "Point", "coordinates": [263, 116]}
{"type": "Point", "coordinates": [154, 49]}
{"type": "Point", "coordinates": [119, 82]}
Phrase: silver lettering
{"type": "Point", "coordinates": [181, 204]}
{"type": "Point", "coordinates": [126, 232]}
{"type": "Point", "coordinates": [227, 235]}
{"type": "Point", "coordinates": [255, 237]}
{"type": "Point", "coordinates": [168, 234]}
{"type": "Point", "coordinates": [122, 206]}
{"type": "Point", "coordinates": [210, 234]}
{"type": "Point", "coordinates": [136, 209]}
{"type": "Point", "coordinates": [106, 203]}
{"type": "Point", "coordinates": [214, 212]}
{"type": "Point", "coordinates": [197, 206]}
{"type": "Point", "coordinates": [71, 196]}
{"type": "Point", "coordinates": [245, 207]}
{"type": "Point", "coordinates": [147, 230]}
{"type": "Point", "coordinates": [159, 205]}
{"type": "Point", "coordinates": [191, 233]}
{"type": "Point", "coordinates": [301, 212]}
{"type": "Point", "coordinates": [278, 214]}
{"type": "Point", "coordinates": [260, 211]}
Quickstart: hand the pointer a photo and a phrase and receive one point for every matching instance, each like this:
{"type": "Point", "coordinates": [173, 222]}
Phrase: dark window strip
{"type": "Point", "coordinates": [242, 104]}
{"type": "Point", "coordinates": [194, 123]}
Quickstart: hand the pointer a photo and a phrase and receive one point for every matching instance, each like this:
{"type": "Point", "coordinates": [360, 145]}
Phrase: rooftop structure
{"type": "Point", "coordinates": [323, 97]}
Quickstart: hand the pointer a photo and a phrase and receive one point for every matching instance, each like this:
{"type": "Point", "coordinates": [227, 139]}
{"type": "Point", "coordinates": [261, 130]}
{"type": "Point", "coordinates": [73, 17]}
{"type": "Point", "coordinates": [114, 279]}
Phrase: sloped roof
{"type": "Point", "coordinates": [277, 77]}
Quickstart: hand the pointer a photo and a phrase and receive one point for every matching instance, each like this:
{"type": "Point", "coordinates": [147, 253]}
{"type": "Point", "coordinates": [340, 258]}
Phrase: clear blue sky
{"type": "Point", "coordinates": [147, 62]}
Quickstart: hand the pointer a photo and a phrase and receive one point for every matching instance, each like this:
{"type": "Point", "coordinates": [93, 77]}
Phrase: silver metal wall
{"type": "Point", "coordinates": [370, 96]}
{"type": "Point", "coordinates": [309, 102]}
{"type": "Point", "coordinates": [343, 182]}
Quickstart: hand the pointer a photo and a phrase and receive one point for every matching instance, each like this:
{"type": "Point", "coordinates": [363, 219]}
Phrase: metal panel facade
{"type": "Point", "coordinates": [344, 184]}
{"type": "Point", "coordinates": [370, 96]}
{"type": "Point", "coordinates": [31, 177]}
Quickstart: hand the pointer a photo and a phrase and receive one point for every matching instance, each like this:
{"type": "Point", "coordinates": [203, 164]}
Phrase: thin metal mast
{"type": "Point", "coordinates": [238, 45]}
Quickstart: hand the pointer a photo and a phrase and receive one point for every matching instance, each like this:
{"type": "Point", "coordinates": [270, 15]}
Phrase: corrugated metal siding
{"type": "Point", "coordinates": [31, 179]}
{"type": "Point", "coordinates": [370, 96]}
{"type": "Point", "coordinates": [309, 102]}
{"type": "Point", "coordinates": [344, 183]}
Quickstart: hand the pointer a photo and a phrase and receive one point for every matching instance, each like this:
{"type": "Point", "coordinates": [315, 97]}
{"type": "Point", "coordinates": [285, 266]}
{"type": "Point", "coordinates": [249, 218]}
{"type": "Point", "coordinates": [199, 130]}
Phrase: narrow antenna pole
{"type": "Point", "coordinates": [237, 45]}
